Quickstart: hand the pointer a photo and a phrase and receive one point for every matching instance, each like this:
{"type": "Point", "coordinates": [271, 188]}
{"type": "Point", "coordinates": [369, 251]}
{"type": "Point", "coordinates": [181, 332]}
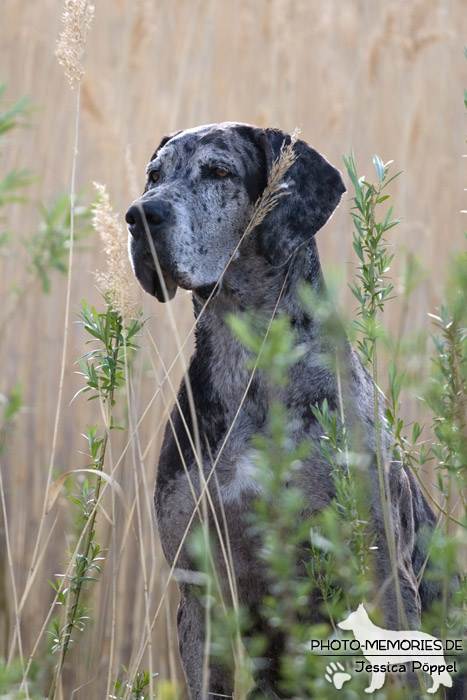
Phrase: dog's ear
{"type": "Point", "coordinates": [314, 189]}
{"type": "Point", "coordinates": [165, 140]}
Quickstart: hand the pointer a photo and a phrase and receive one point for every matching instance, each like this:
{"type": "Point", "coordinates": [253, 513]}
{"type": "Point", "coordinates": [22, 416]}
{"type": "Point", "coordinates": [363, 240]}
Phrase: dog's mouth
{"type": "Point", "coordinates": [208, 291]}
{"type": "Point", "coordinates": [151, 281]}
{"type": "Point", "coordinates": [165, 289]}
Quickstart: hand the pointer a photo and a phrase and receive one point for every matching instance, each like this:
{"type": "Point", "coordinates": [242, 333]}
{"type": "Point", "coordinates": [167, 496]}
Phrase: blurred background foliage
{"type": "Point", "coordinates": [377, 77]}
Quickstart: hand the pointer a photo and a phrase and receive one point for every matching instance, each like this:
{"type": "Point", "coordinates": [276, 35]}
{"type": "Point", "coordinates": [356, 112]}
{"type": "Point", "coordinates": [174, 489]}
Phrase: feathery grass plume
{"type": "Point", "coordinates": [115, 283]}
{"type": "Point", "coordinates": [76, 18]}
{"type": "Point", "coordinates": [275, 188]}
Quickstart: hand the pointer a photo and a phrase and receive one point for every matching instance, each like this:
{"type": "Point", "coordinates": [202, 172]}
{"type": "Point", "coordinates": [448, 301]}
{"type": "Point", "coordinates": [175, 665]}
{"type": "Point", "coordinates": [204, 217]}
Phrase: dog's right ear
{"type": "Point", "coordinates": [165, 140]}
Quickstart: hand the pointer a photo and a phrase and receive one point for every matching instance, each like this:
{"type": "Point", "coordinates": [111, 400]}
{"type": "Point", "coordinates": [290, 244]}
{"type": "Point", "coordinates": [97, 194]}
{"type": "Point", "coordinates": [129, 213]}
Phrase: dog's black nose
{"type": "Point", "coordinates": [147, 216]}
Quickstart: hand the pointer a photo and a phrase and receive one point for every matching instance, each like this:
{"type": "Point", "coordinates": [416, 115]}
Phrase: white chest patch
{"type": "Point", "coordinates": [244, 480]}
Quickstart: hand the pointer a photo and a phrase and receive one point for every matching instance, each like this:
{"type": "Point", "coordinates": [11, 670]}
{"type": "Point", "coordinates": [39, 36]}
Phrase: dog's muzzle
{"type": "Point", "coordinates": [145, 220]}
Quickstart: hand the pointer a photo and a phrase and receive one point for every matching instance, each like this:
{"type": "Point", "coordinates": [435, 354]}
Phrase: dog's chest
{"type": "Point", "coordinates": [241, 480]}
{"type": "Point", "coordinates": [228, 370]}
{"type": "Point", "coordinates": [232, 484]}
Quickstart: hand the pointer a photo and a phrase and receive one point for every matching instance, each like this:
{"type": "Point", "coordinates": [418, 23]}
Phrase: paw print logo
{"type": "Point", "coordinates": [337, 675]}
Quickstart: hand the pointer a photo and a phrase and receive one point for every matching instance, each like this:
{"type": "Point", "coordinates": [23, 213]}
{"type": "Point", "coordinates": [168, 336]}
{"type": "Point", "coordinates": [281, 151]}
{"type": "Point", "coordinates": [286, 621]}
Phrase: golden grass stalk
{"type": "Point", "coordinates": [77, 16]}
{"type": "Point", "coordinates": [114, 283]}
{"type": "Point", "coordinates": [76, 19]}
{"type": "Point", "coordinates": [274, 190]}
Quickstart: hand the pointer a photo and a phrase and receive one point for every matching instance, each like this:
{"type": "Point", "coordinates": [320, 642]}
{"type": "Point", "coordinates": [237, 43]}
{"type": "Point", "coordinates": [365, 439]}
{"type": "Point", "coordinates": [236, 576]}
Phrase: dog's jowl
{"type": "Point", "coordinates": [187, 230]}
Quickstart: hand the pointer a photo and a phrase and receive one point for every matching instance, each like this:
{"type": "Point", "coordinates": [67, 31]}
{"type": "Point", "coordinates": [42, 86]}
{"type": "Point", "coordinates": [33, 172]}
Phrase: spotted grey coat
{"type": "Point", "coordinates": [202, 185]}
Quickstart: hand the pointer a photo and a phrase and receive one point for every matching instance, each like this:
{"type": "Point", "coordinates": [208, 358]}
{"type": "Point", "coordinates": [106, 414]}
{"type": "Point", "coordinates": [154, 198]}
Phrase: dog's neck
{"type": "Point", "coordinates": [268, 295]}
{"type": "Point", "coordinates": [251, 284]}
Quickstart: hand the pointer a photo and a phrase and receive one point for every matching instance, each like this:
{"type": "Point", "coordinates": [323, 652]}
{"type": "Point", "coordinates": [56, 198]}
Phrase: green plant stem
{"type": "Point", "coordinates": [458, 386]}
{"type": "Point", "coordinates": [58, 668]}
{"type": "Point", "coordinates": [435, 503]}
{"type": "Point", "coordinates": [383, 488]}
{"type": "Point", "coordinates": [372, 291]}
{"type": "Point", "coordinates": [73, 610]}
{"type": "Point", "coordinates": [72, 614]}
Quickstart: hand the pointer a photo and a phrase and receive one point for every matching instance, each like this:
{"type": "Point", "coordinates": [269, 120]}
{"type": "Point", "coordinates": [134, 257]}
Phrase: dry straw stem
{"type": "Point", "coordinates": [76, 18]}
{"type": "Point", "coordinates": [274, 190]}
{"type": "Point", "coordinates": [114, 283]}
{"type": "Point", "coordinates": [205, 493]}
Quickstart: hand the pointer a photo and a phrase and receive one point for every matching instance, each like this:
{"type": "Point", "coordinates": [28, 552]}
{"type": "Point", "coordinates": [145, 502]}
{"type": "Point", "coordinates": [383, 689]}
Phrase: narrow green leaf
{"type": "Point", "coordinates": [379, 166]}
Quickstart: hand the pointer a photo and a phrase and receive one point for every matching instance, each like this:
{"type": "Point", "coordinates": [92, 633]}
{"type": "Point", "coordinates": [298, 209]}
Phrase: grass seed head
{"type": "Point", "coordinates": [114, 283]}
{"type": "Point", "coordinates": [76, 19]}
{"type": "Point", "coordinates": [276, 187]}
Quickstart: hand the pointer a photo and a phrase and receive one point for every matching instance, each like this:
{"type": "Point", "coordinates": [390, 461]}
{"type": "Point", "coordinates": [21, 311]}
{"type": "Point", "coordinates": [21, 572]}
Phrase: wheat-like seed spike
{"type": "Point", "coordinates": [76, 19]}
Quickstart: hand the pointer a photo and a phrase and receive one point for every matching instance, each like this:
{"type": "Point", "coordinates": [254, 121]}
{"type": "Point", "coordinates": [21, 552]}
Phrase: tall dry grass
{"type": "Point", "coordinates": [377, 77]}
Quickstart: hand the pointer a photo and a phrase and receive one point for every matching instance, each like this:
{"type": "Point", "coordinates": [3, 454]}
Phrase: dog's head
{"type": "Point", "coordinates": [202, 185]}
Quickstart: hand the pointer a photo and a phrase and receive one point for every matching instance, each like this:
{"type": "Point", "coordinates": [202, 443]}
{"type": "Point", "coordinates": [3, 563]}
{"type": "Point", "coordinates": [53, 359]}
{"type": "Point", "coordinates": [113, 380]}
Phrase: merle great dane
{"type": "Point", "coordinates": [202, 185]}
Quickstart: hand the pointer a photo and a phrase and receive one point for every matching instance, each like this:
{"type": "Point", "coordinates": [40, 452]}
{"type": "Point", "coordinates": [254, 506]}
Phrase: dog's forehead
{"type": "Point", "coordinates": [226, 139]}
{"type": "Point", "coordinates": [228, 133]}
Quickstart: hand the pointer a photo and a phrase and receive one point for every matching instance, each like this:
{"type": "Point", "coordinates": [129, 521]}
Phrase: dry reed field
{"type": "Point", "coordinates": [377, 77]}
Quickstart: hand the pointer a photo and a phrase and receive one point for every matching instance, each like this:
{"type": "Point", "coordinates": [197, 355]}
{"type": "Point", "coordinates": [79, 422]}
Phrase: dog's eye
{"type": "Point", "coordinates": [220, 172]}
{"type": "Point", "coordinates": [154, 175]}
